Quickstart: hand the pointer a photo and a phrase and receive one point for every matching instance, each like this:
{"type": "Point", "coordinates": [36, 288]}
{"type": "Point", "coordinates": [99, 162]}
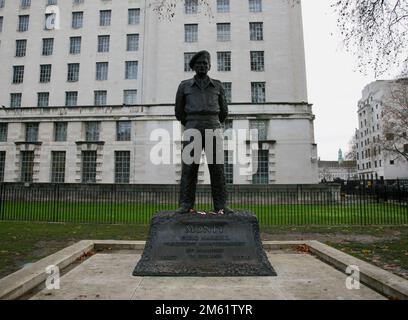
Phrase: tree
{"type": "Point", "coordinates": [375, 31]}
{"type": "Point", "coordinates": [325, 174]}
{"type": "Point", "coordinates": [351, 154]}
{"type": "Point", "coordinates": [166, 8]}
{"type": "Point", "coordinates": [394, 139]}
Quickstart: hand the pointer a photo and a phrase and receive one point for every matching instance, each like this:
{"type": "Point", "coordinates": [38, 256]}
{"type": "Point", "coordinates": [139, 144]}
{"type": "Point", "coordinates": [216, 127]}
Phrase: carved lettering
{"type": "Point", "coordinates": [214, 229]}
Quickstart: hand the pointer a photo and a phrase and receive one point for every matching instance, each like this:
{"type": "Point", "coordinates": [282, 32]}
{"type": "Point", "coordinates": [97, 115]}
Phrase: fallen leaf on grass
{"type": "Point", "coordinates": [365, 251]}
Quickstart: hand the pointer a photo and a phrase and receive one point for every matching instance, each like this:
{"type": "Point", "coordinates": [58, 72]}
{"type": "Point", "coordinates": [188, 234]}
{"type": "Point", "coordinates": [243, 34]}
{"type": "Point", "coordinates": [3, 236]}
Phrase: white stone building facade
{"type": "Point", "coordinates": [81, 98]}
{"type": "Point", "coordinates": [372, 161]}
{"type": "Point", "coordinates": [333, 170]}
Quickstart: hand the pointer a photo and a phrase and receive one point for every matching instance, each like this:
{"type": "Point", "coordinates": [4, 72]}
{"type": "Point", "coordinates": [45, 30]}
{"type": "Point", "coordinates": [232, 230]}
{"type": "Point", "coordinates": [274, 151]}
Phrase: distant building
{"type": "Point", "coordinates": [333, 170]}
{"type": "Point", "coordinates": [372, 162]}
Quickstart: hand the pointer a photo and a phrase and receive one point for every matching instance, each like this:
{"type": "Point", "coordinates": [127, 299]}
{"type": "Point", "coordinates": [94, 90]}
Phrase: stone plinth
{"type": "Point", "coordinates": [204, 245]}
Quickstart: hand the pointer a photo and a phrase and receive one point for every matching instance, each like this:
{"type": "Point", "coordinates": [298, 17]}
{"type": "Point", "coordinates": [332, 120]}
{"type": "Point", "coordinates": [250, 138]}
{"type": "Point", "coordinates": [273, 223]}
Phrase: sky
{"type": "Point", "coordinates": [334, 88]}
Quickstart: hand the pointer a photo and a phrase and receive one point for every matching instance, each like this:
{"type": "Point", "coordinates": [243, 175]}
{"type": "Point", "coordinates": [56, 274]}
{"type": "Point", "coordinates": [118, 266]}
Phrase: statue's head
{"type": "Point", "coordinates": [201, 62]}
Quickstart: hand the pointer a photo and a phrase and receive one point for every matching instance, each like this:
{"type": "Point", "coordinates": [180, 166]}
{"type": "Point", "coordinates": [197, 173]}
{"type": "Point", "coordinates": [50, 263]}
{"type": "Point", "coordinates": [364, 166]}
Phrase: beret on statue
{"type": "Point", "coordinates": [198, 55]}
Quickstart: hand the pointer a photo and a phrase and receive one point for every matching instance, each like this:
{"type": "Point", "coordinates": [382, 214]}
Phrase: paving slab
{"type": "Point", "coordinates": [300, 276]}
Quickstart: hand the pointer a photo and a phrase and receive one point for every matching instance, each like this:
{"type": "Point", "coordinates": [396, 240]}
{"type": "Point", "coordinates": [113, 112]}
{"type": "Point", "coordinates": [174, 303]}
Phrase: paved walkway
{"type": "Point", "coordinates": [109, 276]}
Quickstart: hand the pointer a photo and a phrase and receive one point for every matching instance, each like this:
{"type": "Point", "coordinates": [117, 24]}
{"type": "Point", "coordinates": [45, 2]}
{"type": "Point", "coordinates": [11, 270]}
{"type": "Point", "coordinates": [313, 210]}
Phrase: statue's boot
{"type": "Point", "coordinates": [183, 209]}
{"type": "Point", "coordinates": [225, 210]}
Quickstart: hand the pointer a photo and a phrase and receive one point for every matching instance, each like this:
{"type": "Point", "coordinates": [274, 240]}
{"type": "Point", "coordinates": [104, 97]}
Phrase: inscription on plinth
{"type": "Point", "coordinates": [204, 245]}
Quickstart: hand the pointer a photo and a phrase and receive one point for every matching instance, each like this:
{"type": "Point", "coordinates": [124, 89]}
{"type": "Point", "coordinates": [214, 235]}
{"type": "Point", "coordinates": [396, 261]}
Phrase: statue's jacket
{"type": "Point", "coordinates": [205, 103]}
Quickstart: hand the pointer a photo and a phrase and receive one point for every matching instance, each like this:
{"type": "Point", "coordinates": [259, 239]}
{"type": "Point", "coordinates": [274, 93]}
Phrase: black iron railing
{"type": "Point", "coordinates": [360, 204]}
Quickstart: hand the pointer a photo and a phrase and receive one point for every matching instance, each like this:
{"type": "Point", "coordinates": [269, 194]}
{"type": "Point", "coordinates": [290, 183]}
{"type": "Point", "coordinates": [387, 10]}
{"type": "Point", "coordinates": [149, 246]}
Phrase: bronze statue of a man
{"type": "Point", "coordinates": [201, 105]}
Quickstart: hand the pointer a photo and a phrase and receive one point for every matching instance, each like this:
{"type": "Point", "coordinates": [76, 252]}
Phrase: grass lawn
{"type": "Point", "coordinates": [300, 214]}
{"type": "Point", "coordinates": [25, 242]}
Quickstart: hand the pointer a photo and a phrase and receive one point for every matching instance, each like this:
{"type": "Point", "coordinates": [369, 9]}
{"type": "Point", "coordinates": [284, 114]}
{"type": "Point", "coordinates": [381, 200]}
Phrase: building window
{"type": "Point", "coordinates": [227, 129]}
{"type": "Point", "coordinates": [223, 6]}
{"type": "Point", "coordinates": [261, 127]}
{"type": "Point", "coordinates": [27, 165]}
{"type": "Point", "coordinates": [257, 61]}
{"type": "Point", "coordinates": [25, 4]}
{"type": "Point", "coordinates": [133, 16]}
{"type": "Point", "coordinates": [258, 92]}
{"type": "Point", "coordinates": [122, 166]}
{"type": "Point", "coordinates": [228, 90]}
{"type": "Point", "coordinates": [48, 46]}
{"type": "Point", "coordinates": [131, 70]}
{"type": "Point", "coordinates": [228, 166]}
{"type": "Point", "coordinates": [88, 166]}
{"type": "Point", "coordinates": [224, 61]}
{"type": "Point", "coordinates": [262, 174]}
{"type": "Point", "coordinates": [392, 162]}
{"type": "Point", "coordinates": [132, 42]}
{"type": "Point", "coordinates": [92, 131]}
{"type": "Point", "coordinates": [255, 5]}
{"type": "Point", "coordinates": [100, 97]}
{"type": "Point", "coordinates": [227, 124]}
{"type": "Point", "coordinates": [60, 131]}
{"type": "Point", "coordinates": [123, 130]}
{"type": "Point", "coordinates": [23, 22]}
{"type": "Point", "coordinates": [191, 6]}
{"type": "Point", "coordinates": [223, 31]}
{"type": "Point", "coordinates": [15, 100]}
{"type": "Point", "coordinates": [191, 32]}
{"type": "Point", "coordinates": [2, 3]}
{"type": "Point", "coordinates": [71, 98]}
{"type": "Point", "coordinates": [3, 131]}
{"type": "Point", "coordinates": [43, 99]}
{"type": "Point", "coordinates": [256, 31]}
{"type": "Point", "coordinates": [77, 19]}
{"type": "Point", "coordinates": [75, 45]}
{"type": "Point", "coordinates": [2, 164]}
{"type": "Point", "coordinates": [31, 132]}
{"type": "Point", "coordinates": [1, 24]}
{"type": "Point", "coordinates": [21, 46]}
{"type": "Point", "coordinates": [49, 21]}
{"type": "Point", "coordinates": [105, 18]}
{"type": "Point", "coordinates": [45, 73]}
{"type": "Point", "coordinates": [58, 166]}
{"type": "Point", "coordinates": [187, 59]}
{"type": "Point", "coordinates": [103, 43]}
{"type": "Point", "coordinates": [73, 72]}
{"type": "Point", "coordinates": [129, 97]}
{"type": "Point", "coordinates": [102, 70]}
{"type": "Point", "coordinates": [18, 74]}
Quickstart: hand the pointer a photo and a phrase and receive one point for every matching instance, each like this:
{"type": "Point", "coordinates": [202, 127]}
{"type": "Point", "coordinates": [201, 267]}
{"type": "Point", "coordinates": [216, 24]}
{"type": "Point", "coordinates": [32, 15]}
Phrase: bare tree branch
{"type": "Point", "coordinates": [376, 32]}
{"type": "Point", "coordinates": [394, 140]}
